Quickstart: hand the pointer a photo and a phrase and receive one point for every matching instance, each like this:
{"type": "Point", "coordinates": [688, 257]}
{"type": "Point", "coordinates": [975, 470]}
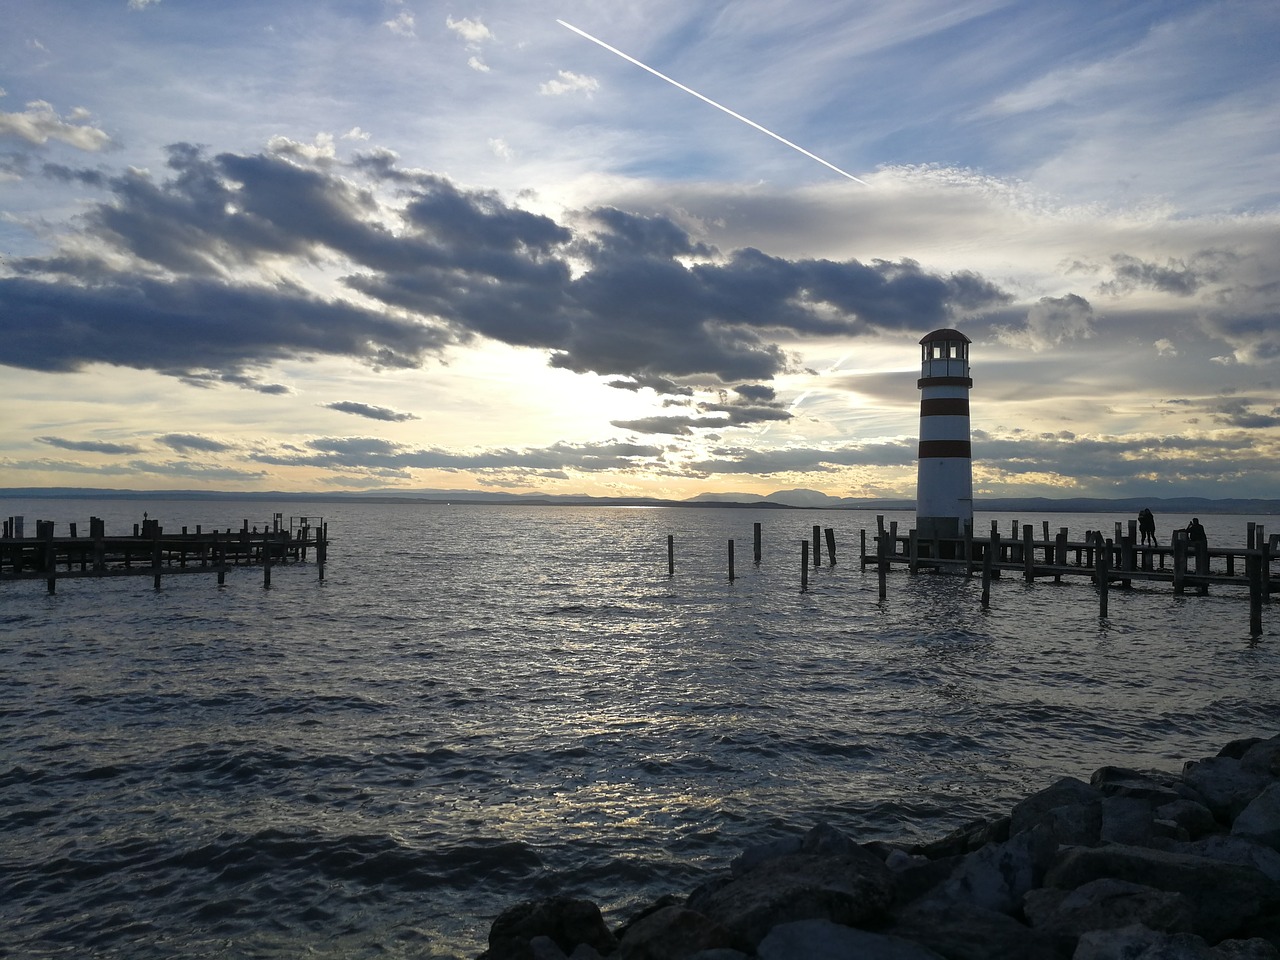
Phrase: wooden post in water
{"type": "Point", "coordinates": [266, 563]}
{"type": "Point", "coordinates": [1179, 561]}
{"type": "Point", "coordinates": [756, 534]}
{"type": "Point", "coordinates": [831, 546]}
{"type": "Point", "coordinates": [46, 531]}
{"type": "Point", "coordinates": [817, 546]}
{"type": "Point", "coordinates": [968, 550]}
{"type": "Point", "coordinates": [1103, 554]}
{"type": "Point", "coordinates": [862, 537]}
{"type": "Point", "coordinates": [882, 565]}
{"type": "Point", "coordinates": [1253, 563]}
{"type": "Point", "coordinates": [986, 575]}
{"type": "Point", "coordinates": [994, 546]}
{"type": "Point", "coordinates": [1126, 559]}
{"type": "Point", "coordinates": [322, 549]}
{"type": "Point", "coordinates": [155, 556]}
{"type": "Point", "coordinates": [1028, 554]}
{"type": "Point", "coordinates": [913, 551]}
{"type": "Point", "coordinates": [804, 565]}
{"type": "Point", "coordinates": [671, 555]}
{"type": "Point", "coordinates": [731, 561]}
{"type": "Point", "coordinates": [1060, 552]}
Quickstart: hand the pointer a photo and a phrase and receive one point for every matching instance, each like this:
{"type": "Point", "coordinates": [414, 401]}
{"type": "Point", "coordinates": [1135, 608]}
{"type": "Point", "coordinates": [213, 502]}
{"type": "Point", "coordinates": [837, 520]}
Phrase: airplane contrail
{"type": "Point", "coordinates": [718, 106]}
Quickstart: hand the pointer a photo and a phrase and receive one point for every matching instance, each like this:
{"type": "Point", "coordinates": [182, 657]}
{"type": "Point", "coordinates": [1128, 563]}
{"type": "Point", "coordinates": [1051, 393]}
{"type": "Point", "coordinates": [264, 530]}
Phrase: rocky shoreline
{"type": "Point", "coordinates": [1133, 865]}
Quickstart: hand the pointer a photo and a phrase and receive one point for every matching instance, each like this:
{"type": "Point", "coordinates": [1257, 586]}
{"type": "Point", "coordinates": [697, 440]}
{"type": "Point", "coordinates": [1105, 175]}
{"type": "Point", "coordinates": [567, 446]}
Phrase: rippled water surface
{"type": "Point", "coordinates": [482, 704]}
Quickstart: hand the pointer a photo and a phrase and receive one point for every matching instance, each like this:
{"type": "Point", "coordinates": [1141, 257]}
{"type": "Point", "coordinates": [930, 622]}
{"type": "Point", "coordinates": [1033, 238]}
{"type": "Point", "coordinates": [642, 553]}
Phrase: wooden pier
{"type": "Point", "coordinates": [1110, 562]}
{"type": "Point", "coordinates": [150, 552]}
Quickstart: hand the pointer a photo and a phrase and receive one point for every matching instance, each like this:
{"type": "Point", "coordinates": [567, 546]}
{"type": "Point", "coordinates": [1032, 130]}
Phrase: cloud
{"type": "Point", "coordinates": [401, 24]}
{"type": "Point", "coordinates": [39, 124]}
{"type": "Point", "coordinates": [370, 411]}
{"type": "Point", "coordinates": [90, 446]}
{"type": "Point", "coordinates": [142, 4]}
{"type": "Point", "coordinates": [568, 82]}
{"type": "Point", "coordinates": [671, 426]}
{"type": "Point", "coordinates": [189, 442]}
{"type": "Point", "coordinates": [1050, 321]}
{"type": "Point", "coordinates": [200, 276]}
{"type": "Point", "coordinates": [1176, 276]}
{"type": "Point", "coordinates": [473, 31]}
{"type": "Point", "coordinates": [475, 63]}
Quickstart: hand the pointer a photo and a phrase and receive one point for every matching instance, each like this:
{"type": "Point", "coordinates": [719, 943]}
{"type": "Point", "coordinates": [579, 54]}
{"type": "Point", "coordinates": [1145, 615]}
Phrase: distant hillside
{"type": "Point", "coordinates": [784, 499]}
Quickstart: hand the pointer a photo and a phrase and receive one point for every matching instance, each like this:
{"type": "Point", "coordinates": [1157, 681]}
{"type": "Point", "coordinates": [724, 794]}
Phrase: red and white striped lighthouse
{"type": "Point", "coordinates": [944, 473]}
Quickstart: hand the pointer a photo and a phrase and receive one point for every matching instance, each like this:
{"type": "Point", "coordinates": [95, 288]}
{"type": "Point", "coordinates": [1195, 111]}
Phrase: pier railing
{"type": "Point", "coordinates": [152, 552]}
{"type": "Point", "coordinates": [1110, 562]}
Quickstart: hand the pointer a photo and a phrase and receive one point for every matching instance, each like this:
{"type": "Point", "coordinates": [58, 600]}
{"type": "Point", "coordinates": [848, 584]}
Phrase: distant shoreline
{"type": "Point", "coordinates": [787, 500]}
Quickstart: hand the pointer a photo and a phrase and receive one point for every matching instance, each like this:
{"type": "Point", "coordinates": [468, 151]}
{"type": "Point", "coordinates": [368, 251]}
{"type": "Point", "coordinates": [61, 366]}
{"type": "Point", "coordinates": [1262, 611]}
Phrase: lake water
{"type": "Point", "coordinates": [481, 704]}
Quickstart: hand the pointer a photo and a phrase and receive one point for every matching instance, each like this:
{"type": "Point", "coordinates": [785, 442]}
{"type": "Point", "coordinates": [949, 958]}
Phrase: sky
{"type": "Point", "coordinates": [401, 245]}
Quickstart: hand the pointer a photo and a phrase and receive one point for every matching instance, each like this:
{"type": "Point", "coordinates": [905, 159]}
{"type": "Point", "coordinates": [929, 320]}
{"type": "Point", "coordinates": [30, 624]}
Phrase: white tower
{"type": "Point", "coordinates": [944, 475]}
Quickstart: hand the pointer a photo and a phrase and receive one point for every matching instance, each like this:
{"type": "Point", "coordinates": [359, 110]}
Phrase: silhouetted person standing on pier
{"type": "Point", "coordinates": [1147, 526]}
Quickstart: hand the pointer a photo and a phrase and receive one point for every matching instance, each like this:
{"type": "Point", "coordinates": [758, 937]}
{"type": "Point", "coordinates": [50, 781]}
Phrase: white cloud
{"type": "Point", "coordinates": [473, 31]}
{"type": "Point", "coordinates": [1165, 348]}
{"type": "Point", "coordinates": [401, 24]}
{"type": "Point", "coordinates": [501, 148]}
{"type": "Point", "coordinates": [322, 149]}
{"type": "Point", "coordinates": [475, 63]}
{"type": "Point", "coordinates": [142, 4]}
{"type": "Point", "coordinates": [355, 133]}
{"type": "Point", "coordinates": [39, 124]}
{"type": "Point", "coordinates": [568, 82]}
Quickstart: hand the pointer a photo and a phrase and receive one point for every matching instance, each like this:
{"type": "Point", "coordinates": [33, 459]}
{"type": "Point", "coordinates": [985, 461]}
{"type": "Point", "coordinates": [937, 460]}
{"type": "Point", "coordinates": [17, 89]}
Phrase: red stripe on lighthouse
{"type": "Point", "coordinates": [945, 448]}
{"type": "Point", "coordinates": [944, 407]}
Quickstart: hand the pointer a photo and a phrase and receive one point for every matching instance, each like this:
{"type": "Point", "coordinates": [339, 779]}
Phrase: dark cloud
{"type": "Point", "coordinates": [626, 296]}
{"type": "Point", "coordinates": [748, 460]}
{"type": "Point", "coordinates": [671, 426]}
{"type": "Point", "coordinates": [1175, 276]}
{"type": "Point", "coordinates": [375, 453]}
{"type": "Point", "coordinates": [370, 411]}
{"type": "Point", "coordinates": [90, 446]}
{"type": "Point", "coordinates": [189, 442]}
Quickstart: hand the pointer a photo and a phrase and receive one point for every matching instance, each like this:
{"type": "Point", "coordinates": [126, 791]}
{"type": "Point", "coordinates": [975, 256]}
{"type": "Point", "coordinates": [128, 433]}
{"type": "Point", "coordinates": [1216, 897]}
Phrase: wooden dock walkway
{"type": "Point", "coordinates": [152, 552]}
{"type": "Point", "coordinates": [1112, 562]}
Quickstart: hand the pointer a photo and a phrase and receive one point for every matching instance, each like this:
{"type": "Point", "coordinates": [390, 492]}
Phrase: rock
{"type": "Point", "coordinates": [1254, 949]}
{"type": "Point", "coordinates": [825, 840]}
{"type": "Point", "coordinates": [966, 839]}
{"type": "Point", "coordinates": [997, 876]}
{"type": "Point", "coordinates": [1191, 815]}
{"type": "Point", "coordinates": [1223, 895]}
{"type": "Point", "coordinates": [1263, 757]}
{"type": "Point", "coordinates": [1238, 850]}
{"type": "Point", "coordinates": [566, 921]}
{"type": "Point", "coordinates": [1127, 819]}
{"type": "Point", "coordinates": [544, 948]}
{"type": "Point", "coordinates": [1236, 749]}
{"type": "Point", "coordinates": [854, 888]}
{"type": "Point", "coordinates": [1123, 782]}
{"type": "Point", "coordinates": [966, 932]}
{"type": "Point", "coordinates": [1107, 905]}
{"type": "Point", "coordinates": [1260, 820]}
{"type": "Point", "coordinates": [1070, 808]}
{"type": "Point", "coordinates": [1224, 783]}
{"type": "Point", "coordinates": [757, 854]}
{"type": "Point", "coordinates": [671, 933]}
{"type": "Point", "coordinates": [824, 940]}
{"type": "Point", "coordinates": [1139, 943]}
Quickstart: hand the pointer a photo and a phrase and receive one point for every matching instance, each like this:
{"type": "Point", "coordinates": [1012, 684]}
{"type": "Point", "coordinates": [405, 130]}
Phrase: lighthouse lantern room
{"type": "Point", "coordinates": [944, 475]}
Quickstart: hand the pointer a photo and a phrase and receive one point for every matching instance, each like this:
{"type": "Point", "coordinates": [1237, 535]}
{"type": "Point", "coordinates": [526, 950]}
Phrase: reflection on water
{"type": "Point", "coordinates": [479, 704]}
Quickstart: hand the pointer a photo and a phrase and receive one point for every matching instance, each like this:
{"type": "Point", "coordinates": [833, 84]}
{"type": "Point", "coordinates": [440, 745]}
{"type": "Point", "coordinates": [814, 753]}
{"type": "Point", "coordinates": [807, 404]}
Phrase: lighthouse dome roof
{"type": "Point", "coordinates": [946, 333]}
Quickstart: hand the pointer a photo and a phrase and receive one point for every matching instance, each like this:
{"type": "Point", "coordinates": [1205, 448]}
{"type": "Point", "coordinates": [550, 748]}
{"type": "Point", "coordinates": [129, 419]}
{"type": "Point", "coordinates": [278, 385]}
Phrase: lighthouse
{"type": "Point", "coordinates": [944, 473]}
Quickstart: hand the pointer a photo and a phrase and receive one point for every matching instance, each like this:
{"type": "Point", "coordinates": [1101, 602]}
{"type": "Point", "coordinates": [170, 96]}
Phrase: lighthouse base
{"type": "Point", "coordinates": [942, 528]}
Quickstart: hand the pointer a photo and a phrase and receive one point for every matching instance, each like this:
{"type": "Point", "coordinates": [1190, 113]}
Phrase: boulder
{"type": "Point", "coordinates": [1107, 905]}
{"type": "Point", "coordinates": [566, 921]}
{"type": "Point", "coordinates": [854, 888]}
{"type": "Point", "coordinates": [671, 933]}
{"type": "Point", "coordinates": [1138, 943]}
{"type": "Point", "coordinates": [1223, 895]}
{"type": "Point", "coordinates": [966, 932]}
{"type": "Point", "coordinates": [1127, 819]}
{"type": "Point", "coordinates": [1263, 757]}
{"type": "Point", "coordinates": [997, 876]}
{"type": "Point", "coordinates": [824, 940]}
{"type": "Point", "coordinates": [1123, 782]}
{"type": "Point", "coordinates": [1260, 820]}
{"type": "Point", "coordinates": [1191, 815]}
{"type": "Point", "coordinates": [1225, 784]}
{"type": "Point", "coordinates": [1070, 808]}
{"type": "Point", "coordinates": [966, 839]}
{"type": "Point", "coordinates": [1238, 850]}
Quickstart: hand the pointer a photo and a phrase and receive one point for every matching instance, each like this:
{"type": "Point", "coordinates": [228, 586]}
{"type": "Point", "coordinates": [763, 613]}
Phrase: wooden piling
{"type": "Point", "coordinates": [671, 555]}
{"type": "Point", "coordinates": [1102, 574]}
{"type": "Point", "coordinates": [804, 566]}
{"type": "Point", "coordinates": [1254, 563]}
{"type": "Point", "coordinates": [831, 546]}
{"type": "Point", "coordinates": [756, 536]}
{"type": "Point", "coordinates": [882, 565]}
{"type": "Point", "coordinates": [987, 564]}
{"type": "Point", "coordinates": [1028, 553]}
{"type": "Point", "coordinates": [817, 546]}
{"type": "Point", "coordinates": [731, 561]}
